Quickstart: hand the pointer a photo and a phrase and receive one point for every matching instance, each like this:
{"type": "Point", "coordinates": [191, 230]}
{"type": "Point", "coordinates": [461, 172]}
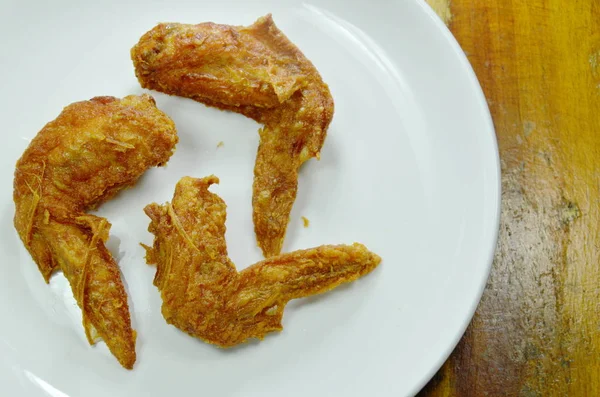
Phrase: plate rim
{"type": "Point", "coordinates": [480, 96]}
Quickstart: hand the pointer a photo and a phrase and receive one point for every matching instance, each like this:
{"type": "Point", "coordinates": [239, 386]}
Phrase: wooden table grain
{"type": "Point", "coordinates": [537, 328]}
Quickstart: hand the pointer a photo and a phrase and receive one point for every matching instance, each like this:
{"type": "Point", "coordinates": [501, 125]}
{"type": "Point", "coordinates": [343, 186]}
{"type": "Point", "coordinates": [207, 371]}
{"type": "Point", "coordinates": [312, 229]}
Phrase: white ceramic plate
{"type": "Point", "coordinates": [410, 168]}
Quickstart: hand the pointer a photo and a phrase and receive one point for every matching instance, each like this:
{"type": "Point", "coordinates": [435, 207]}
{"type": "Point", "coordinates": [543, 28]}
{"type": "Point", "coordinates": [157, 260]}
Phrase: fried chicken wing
{"type": "Point", "coordinates": [202, 292]}
{"type": "Point", "coordinates": [85, 156]}
{"type": "Point", "coordinates": [258, 72]}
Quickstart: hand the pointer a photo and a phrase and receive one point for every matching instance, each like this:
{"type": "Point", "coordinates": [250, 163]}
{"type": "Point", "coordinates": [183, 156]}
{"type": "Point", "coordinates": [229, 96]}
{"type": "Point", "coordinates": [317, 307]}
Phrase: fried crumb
{"type": "Point", "coordinates": [220, 144]}
{"type": "Point", "coordinates": [305, 221]}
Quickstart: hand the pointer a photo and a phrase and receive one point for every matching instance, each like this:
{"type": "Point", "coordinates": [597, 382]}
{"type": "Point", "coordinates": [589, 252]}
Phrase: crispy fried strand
{"type": "Point", "coordinates": [202, 292]}
{"type": "Point", "coordinates": [258, 72]}
{"type": "Point", "coordinates": [86, 155]}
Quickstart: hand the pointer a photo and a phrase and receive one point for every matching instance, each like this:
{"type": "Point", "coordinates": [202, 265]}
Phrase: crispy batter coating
{"type": "Point", "coordinates": [258, 72]}
{"type": "Point", "coordinates": [86, 155]}
{"type": "Point", "coordinates": [202, 292]}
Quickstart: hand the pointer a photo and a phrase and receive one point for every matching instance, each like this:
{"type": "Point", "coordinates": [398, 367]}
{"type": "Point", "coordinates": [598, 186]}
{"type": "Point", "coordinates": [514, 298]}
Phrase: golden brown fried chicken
{"type": "Point", "coordinates": [202, 292]}
{"type": "Point", "coordinates": [85, 156]}
{"type": "Point", "coordinates": [258, 72]}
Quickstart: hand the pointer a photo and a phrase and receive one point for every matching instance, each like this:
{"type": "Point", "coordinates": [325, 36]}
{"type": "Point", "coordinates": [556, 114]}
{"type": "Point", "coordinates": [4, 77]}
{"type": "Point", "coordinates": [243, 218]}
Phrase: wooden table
{"type": "Point", "coordinates": [537, 329]}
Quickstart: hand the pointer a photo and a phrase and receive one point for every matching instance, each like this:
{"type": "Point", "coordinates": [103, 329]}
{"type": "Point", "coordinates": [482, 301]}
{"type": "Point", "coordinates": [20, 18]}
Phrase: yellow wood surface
{"type": "Point", "coordinates": [537, 329]}
{"type": "Point", "coordinates": [442, 8]}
